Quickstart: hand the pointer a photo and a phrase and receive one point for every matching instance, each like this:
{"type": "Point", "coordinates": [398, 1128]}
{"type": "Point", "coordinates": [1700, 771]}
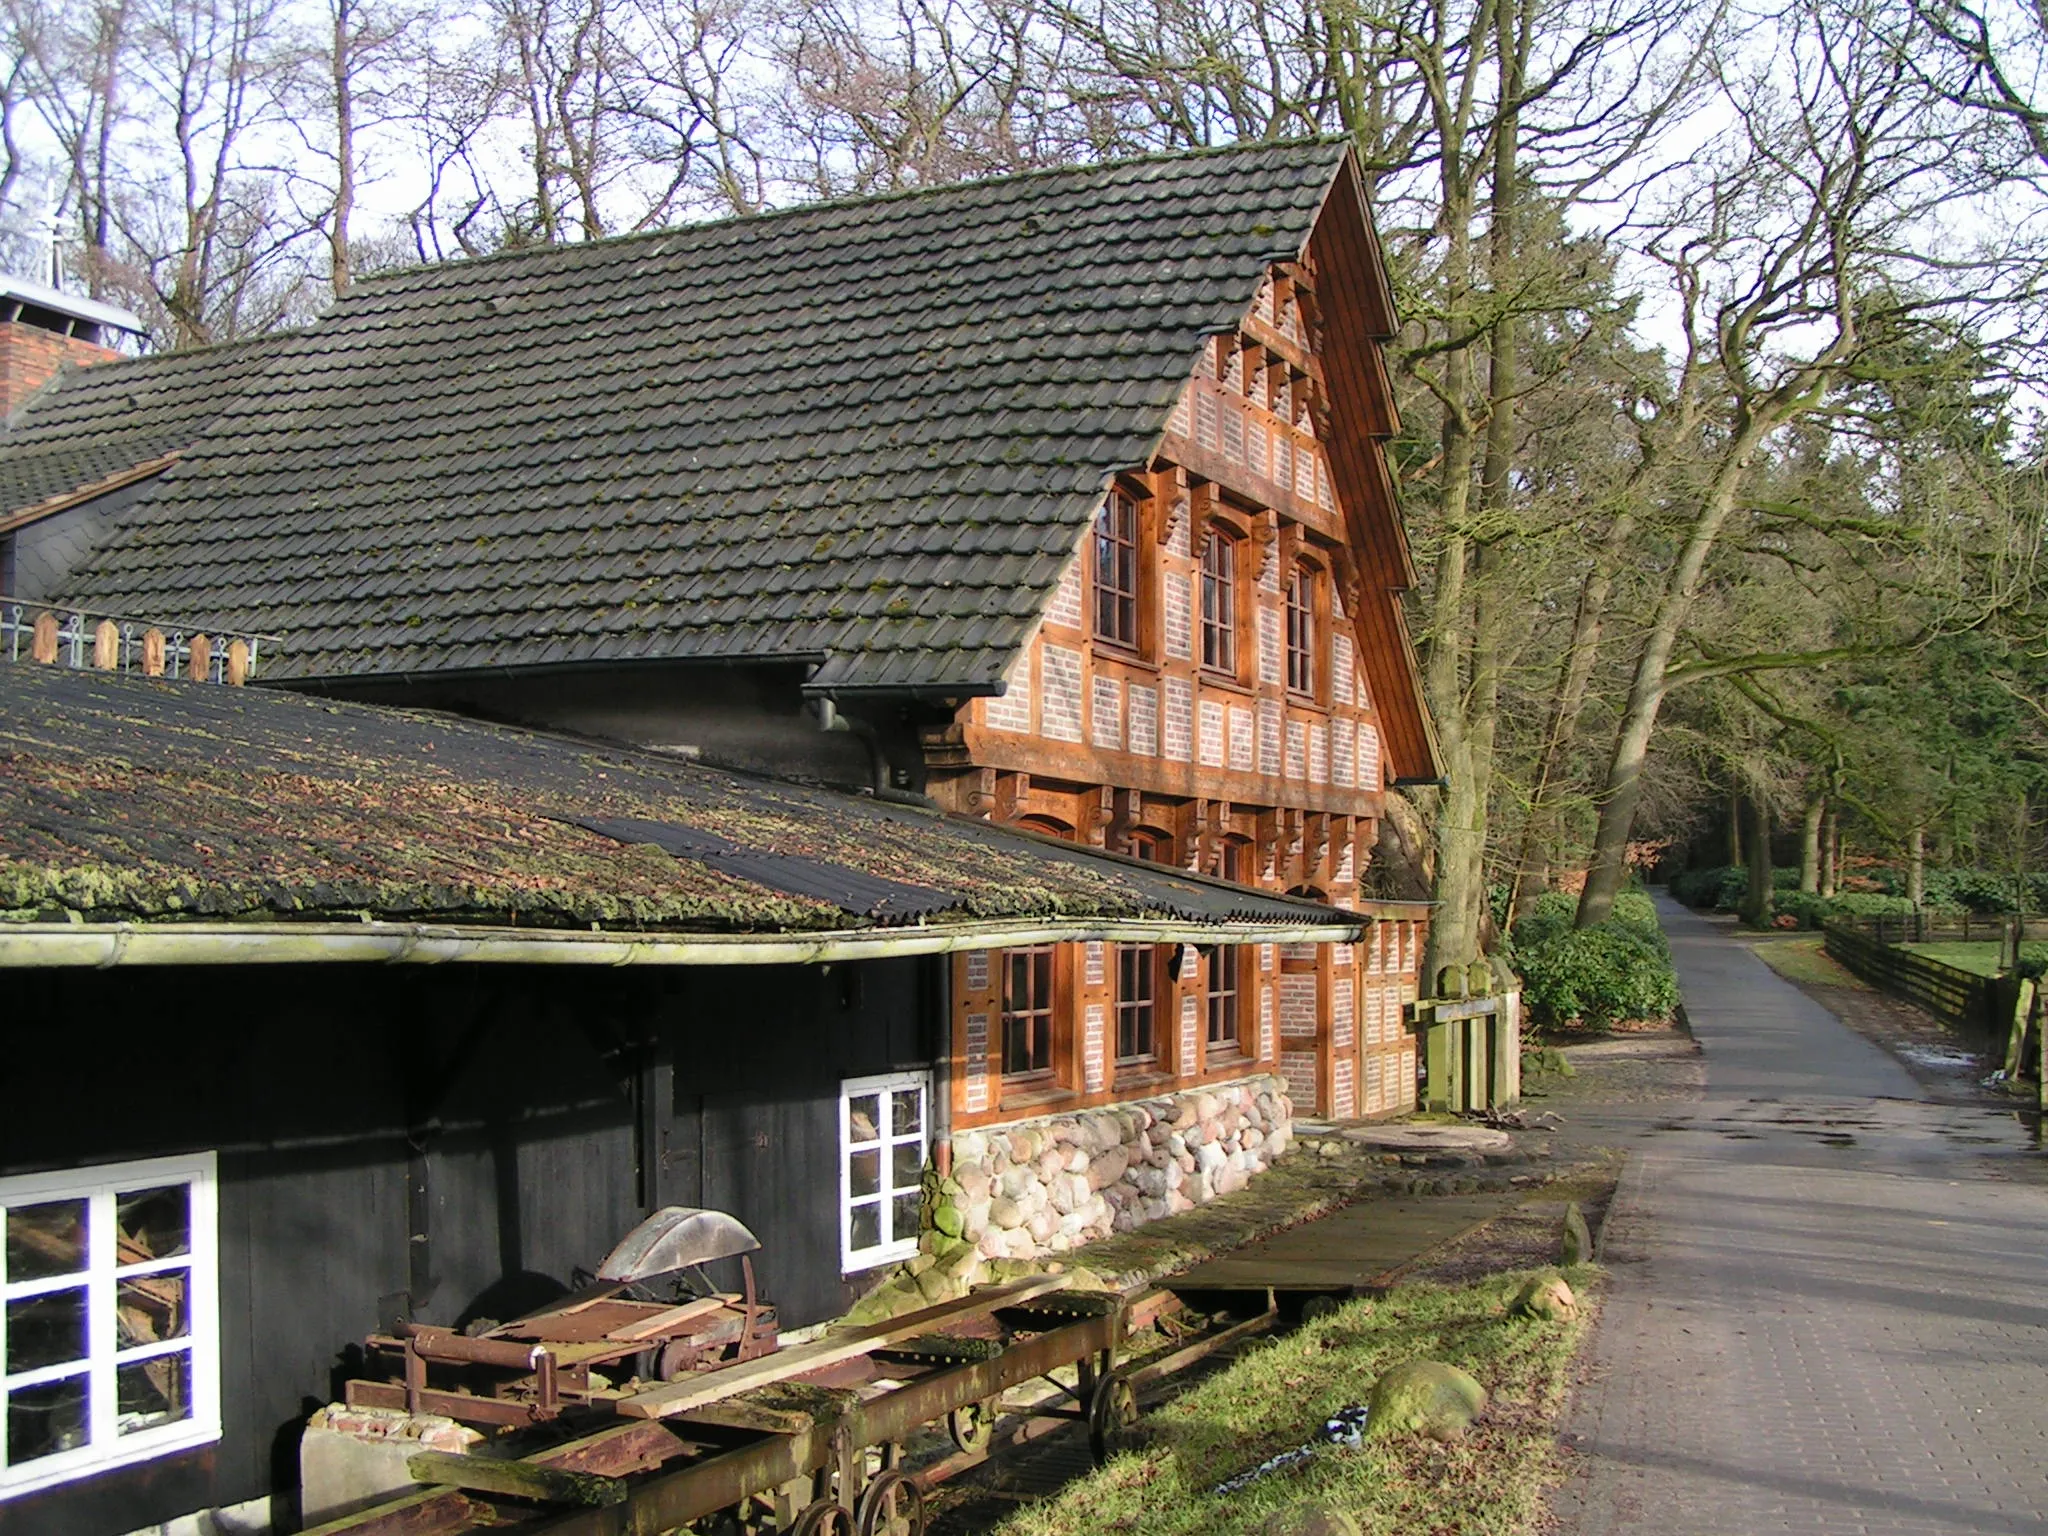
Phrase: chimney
{"type": "Point", "coordinates": [43, 330]}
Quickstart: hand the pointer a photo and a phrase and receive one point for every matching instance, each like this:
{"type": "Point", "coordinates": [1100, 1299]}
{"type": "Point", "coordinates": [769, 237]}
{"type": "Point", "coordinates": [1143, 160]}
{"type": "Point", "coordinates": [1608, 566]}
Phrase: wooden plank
{"type": "Point", "coordinates": [668, 1318]}
{"type": "Point", "coordinates": [680, 1396]}
{"type": "Point", "coordinates": [745, 1413]}
{"type": "Point", "coordinates": [521, 1479]}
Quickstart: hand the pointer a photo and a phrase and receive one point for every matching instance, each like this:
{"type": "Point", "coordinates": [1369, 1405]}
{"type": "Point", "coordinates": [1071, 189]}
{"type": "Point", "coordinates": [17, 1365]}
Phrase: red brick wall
{"type": "Point", "coordinates": [30, 356]}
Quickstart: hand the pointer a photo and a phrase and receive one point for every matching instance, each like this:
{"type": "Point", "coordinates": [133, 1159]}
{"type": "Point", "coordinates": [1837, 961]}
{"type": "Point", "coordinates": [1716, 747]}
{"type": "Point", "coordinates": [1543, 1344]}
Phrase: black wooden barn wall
{"type": "Point", "coordinates": [499, 1114]}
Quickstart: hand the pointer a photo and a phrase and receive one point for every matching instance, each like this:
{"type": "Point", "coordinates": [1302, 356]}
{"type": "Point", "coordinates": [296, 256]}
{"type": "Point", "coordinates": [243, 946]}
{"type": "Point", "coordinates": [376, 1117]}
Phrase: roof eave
{"type": "Point", "coordinates": [104, 946]}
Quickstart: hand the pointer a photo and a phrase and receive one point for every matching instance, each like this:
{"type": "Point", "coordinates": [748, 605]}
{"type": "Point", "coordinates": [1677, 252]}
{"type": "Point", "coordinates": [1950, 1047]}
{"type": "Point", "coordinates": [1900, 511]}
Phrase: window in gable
{"type": "Point", "coordinates": [1219, 602]}
{"type": "Point", "coordinates": [1301, 630]}
{"type": "Point", "coordinates": [1116, 570]}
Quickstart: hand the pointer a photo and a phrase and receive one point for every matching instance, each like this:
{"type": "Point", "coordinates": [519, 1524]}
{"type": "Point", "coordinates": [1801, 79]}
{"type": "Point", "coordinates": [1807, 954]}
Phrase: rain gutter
{"type": "Point", "coordinates": [103, 946]}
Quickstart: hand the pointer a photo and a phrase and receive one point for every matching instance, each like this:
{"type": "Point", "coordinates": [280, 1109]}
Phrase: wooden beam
{"type": "Point", "coordinates": [521, 1479]}
{"type": "Point", "coordinates": [712, 1386]}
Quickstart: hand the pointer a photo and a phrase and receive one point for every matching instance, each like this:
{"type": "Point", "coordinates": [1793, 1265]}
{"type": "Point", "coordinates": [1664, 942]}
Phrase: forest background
{"type": "Point", "coordinates": [1721, 364]}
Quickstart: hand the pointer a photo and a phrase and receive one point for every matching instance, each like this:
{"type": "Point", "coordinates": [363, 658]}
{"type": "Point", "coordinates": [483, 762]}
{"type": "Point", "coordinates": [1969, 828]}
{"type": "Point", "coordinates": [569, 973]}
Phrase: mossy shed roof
{"type": "Point", "coordinates": [129, 799]}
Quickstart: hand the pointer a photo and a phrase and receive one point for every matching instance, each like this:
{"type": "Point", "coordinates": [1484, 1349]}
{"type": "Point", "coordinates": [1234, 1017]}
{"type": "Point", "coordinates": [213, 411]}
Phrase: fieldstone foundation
{"type": "Point", "coordinates": [1040, 1187]}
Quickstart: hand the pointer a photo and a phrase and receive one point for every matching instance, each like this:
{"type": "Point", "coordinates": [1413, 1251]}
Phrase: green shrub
{"type": "Point", "coordinates": [1809, 909]}
{"type": "Point", "coordinates": [1699, 887]}
{"type": "Point", "coordinates": [1614, 970]}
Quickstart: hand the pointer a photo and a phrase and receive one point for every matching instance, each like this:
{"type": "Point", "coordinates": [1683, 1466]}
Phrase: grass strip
{"type": "Point", "coordinates": [1803, 960]}
{"type": "Point", "coordinates": [1491, 1483]}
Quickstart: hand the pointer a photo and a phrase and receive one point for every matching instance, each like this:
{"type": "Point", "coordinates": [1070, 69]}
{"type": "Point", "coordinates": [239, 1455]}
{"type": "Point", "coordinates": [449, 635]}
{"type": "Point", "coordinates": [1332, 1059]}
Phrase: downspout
{"type": "Point", "coordinates": [832, 718]}
{"type": "Point", "coordinates": [940, 969]}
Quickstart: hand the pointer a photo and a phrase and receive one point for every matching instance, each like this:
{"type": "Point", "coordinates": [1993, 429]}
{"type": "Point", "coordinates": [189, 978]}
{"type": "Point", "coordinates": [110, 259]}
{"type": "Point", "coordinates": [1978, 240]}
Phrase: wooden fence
{"type": "Point", "coordinates": [1979, 1006]}
{"type": "Point", "coordinates": [1943, 927]}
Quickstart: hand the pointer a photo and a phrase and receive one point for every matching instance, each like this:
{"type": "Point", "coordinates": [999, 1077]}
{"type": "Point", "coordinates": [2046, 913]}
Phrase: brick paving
{"type": "Point", "coordinates": [1829, 1296]}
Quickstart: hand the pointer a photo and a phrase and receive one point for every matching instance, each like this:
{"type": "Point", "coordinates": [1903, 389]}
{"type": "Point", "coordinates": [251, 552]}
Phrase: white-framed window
{"type": "Point", "coordinates": [109, 1318]}
{"type": "Point", "coordinates": [882, 1126]}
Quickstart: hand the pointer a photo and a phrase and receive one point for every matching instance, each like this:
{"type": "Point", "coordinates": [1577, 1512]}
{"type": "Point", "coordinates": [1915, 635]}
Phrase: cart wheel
{"type": "Point", "coordinates": [827, 1517]}
{"type": "Point", "coordinates": [1111, 1412]}
{"type": "Point", "coordinates": [972, 1425]}
{"type": "Point", "coordinates": [893, 1505]}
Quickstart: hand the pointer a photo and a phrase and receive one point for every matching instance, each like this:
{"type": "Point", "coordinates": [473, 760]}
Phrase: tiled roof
{"type": "Point", "coordinates": [871, 433]}
{"type": "Point", "coordinates": [89, 423]}
{"type": "Point", "coordinates": [132, 799]}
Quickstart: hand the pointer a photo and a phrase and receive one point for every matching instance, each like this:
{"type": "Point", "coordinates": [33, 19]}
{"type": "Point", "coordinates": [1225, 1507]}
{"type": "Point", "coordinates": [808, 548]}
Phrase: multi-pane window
{"type": "Point", "coordinates": [1223, 995]}
{"type": "Point", "coordinates": [1219, 603]}
{"type": "Point", "coordinates": [109, 1327]}
{"type": "Point", "coordinates": [881, 1167]}
{"type": "Point", "coordinates": [1027, 1011]}
{"type": "Point", "coordinates": [1136, 1001]}
{"type": "Point", "coordinates": [1301, 630]}
{"type": "Point", "coordinates": [1116, 570]}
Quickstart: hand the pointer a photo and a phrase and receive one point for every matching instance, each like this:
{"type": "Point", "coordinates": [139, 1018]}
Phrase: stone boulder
{"type": "Point", "coordinates": [1578, 1237]}
{"type": "Point", "coordinates": [1546, 1296]}
{"type": "Point", "coordinates": [1425, 1397]}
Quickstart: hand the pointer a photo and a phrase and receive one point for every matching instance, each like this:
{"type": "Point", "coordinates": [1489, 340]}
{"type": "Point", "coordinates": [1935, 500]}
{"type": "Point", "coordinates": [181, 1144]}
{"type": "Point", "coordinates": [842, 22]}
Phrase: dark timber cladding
{"type": "Point", "coordinates": [867, 434]}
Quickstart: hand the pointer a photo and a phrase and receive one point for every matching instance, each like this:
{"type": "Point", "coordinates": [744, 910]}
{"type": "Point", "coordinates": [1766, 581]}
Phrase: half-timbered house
{"type": "Point", "coordinates": [1058, 501]}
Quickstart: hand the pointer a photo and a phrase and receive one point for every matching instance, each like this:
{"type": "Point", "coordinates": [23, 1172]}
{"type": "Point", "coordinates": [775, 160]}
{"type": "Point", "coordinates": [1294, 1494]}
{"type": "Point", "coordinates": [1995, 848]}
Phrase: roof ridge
{"type": "Point", "coordinates": [861, 200]}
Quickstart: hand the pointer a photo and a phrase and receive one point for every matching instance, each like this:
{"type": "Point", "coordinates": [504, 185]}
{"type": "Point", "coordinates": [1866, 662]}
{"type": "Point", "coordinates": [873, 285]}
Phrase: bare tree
{"type": "Point", "coordinates": [1820, 234]}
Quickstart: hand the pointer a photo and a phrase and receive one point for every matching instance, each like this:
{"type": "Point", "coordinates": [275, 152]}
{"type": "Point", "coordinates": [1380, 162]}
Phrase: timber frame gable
{"type": "Point", "coordinates": [1221, 680]}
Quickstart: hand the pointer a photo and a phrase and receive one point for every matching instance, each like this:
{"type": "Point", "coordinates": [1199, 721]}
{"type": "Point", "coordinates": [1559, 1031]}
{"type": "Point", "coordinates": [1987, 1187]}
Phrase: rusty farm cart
{"type": "Point", "coordinates": [619, 1415]}
{"type": "Point", "coordinates": [809, 1439]}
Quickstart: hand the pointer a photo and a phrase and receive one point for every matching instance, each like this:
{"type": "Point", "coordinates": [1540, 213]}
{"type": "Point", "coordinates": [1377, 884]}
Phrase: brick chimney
{"type": "Point", "coordinates": [43, 330]}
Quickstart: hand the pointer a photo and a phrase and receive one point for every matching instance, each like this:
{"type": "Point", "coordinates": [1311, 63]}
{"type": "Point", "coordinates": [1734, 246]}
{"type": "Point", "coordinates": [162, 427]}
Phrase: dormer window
{"type": "Point", "coordinates": [1219, 603]}
{"type": "Point", "coordinates": [1301, 630]}
{"type": "Point", "coordinates": [1116, 570]}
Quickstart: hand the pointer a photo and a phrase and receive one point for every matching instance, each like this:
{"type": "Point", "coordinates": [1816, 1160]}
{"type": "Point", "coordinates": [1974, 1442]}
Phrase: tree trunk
{"type": "Point", "coordinates": [1916, 867]}
{"type": "Point", "coordinates": [340, 271]}
{"type": "Point", "coordinates": [1757, 900]}
{"type": "Point", "coordinates": [1809, 844]}
{"type": "Point", "coordinates": [1734, 831]}
{"type": "Point", "coordinates": [1624, 787]}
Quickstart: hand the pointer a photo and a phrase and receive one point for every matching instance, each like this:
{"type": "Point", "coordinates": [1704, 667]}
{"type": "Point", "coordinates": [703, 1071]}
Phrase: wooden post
{"type": "Point", "coordinates": [199, 658]}
{"type": "Point", "coordinates": [152, 653]}
{"type": "Point", "coordinates": [238, 663]}
{"type": "Point", "coordinates": [2016, 1038]}
{"type": "Point", "coordinates": [43, 647]}
{"type": "Point", "coordinates": [106, 646]}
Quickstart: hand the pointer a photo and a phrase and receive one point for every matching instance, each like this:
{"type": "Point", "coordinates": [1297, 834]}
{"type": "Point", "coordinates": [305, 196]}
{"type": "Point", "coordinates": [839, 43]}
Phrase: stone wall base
{"type": "Point", "coordinates": [1040, 1187]}
{"type": "Point", "coordinates": [350, 1458]}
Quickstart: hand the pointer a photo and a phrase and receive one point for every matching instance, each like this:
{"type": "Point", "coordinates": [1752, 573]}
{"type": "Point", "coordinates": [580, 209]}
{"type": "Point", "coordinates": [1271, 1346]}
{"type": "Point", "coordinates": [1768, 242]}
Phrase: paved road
{"type": "Point", "coordinates": [1829, 1309]}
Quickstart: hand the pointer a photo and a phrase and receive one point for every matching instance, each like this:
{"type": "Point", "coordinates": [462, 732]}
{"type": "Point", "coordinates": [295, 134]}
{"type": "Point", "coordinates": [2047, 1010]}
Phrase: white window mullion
{"type": "Point", "coordinates": [99, 1319]}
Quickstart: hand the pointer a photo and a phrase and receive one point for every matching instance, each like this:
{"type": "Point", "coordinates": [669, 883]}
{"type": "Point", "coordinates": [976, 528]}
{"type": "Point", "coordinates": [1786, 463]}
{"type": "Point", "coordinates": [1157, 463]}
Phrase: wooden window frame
{"type": "Point", "coordinates": [1302, 608]}
{"type": "Point", "coordinates": [1223, 1000]}
{"type": "Point", "coordinates": [1134, 960]}
{"type": "Point", "coordinates": [1043, 1011]}
{"type": "Point", "coordinates": [1125, 603]}
{"type": "Point", "coordinates": [1242, 852]}
{"type": "Point", "coordinates": [887, 1196]}
{"type": "Point", "coordinates": [99, 1188]}
{"type": "Point", "coordinates": [1219, 600]}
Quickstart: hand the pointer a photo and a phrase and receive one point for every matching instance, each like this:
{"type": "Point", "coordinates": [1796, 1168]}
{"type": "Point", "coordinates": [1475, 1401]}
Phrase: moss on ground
{"type": "Point", "coordinates": [1490, 1483]}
